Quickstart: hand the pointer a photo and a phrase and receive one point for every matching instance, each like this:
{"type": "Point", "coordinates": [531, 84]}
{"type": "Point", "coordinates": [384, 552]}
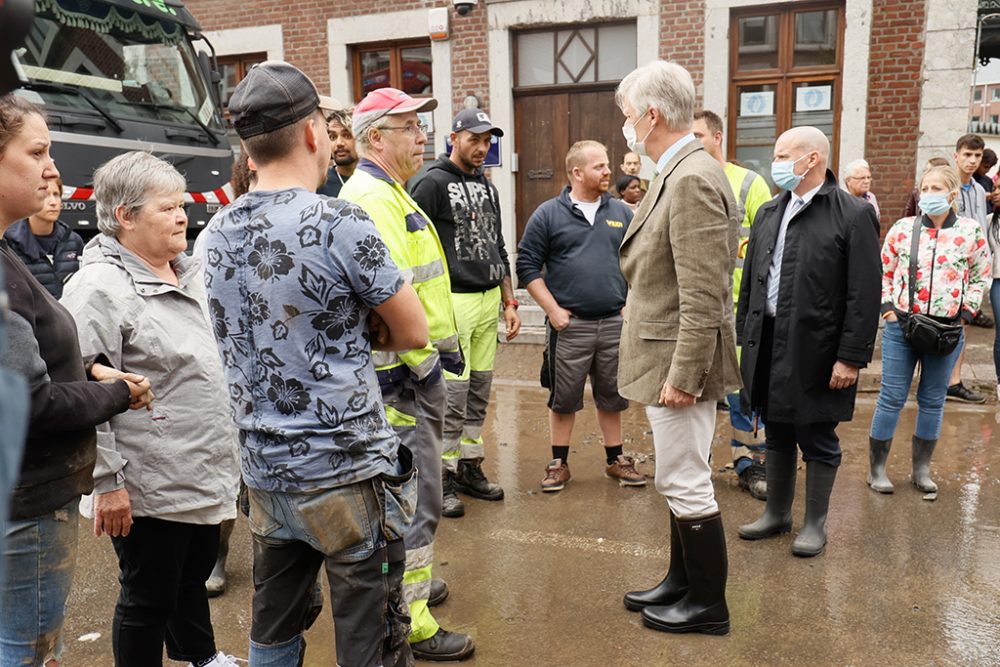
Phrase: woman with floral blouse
{"type": "Point", "coordinates": [953, 268]}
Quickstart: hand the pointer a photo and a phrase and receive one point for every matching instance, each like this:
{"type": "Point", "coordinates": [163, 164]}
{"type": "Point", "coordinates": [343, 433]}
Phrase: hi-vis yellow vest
{"type": "Point", "coordinates": [414, 246]}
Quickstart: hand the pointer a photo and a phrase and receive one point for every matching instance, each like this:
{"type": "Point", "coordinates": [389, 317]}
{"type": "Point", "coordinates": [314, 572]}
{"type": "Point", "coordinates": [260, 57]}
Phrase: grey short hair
{"type": "Point", "coordinates": [128, 180]}
{"type": "Point", "coordinates": [661, 85]}
{"type": "Point", "coordinates": [853, 166]}
{"type": "Point", "coordinates": [361, 139]}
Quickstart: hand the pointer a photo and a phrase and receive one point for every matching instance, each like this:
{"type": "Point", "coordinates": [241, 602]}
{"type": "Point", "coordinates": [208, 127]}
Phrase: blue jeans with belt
{"type": "Point", "coordinates": [899, 361]}
{"type": "Point", "coordinates": [40, 559]}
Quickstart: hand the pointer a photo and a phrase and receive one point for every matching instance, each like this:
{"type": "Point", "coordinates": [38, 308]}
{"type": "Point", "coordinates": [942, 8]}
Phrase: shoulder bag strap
{"type": "Point", "coordinates": [914, 252]}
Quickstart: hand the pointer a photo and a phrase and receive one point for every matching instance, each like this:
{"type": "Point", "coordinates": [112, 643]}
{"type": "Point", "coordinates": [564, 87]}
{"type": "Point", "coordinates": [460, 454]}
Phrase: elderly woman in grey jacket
{"type": "Point", "coordinates": [165, 479]}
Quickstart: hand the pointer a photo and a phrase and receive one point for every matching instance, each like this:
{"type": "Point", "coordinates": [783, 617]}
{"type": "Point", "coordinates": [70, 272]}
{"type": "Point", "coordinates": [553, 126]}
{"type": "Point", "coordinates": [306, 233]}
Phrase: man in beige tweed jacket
{"type": "Point", "coordinates": [678, 345]}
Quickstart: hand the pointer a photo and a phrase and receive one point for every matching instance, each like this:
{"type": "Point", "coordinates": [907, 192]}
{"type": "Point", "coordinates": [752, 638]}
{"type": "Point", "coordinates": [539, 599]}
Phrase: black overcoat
{"type": "Point", "coordinates": [828, 304]}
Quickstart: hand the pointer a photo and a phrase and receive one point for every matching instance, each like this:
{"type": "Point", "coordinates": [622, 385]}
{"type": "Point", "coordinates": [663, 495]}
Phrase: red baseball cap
{"type": "Point", "coordinates": [387, 102]}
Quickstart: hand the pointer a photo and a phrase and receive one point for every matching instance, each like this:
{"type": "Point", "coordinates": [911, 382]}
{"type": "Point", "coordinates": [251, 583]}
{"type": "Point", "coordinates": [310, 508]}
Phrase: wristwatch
{"type": "Point", "coordinates": [511, 302]}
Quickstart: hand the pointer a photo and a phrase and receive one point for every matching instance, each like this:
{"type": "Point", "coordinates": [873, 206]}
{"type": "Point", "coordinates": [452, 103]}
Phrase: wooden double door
{"type": "Point", "coordinates": [546, 124]}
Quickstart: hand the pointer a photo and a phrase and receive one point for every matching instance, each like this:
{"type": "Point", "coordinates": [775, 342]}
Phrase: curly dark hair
{"type": "Point", "coordinates": [623, 183]}
{"type": "Point", "coordinates": [243, 177]}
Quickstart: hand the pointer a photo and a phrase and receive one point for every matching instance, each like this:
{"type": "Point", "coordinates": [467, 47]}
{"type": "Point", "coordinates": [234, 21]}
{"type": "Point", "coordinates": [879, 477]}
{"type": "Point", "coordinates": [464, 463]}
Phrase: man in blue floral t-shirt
{"type": "Point", "coordinates": [294, 281]}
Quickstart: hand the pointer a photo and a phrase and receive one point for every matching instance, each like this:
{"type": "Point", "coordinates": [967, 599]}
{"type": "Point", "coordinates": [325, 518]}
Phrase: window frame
{"type": "Point", "coordinates": [554, 30]}
{"type": "Point", "coordinates": [786, 75]}
{"type": "Point", "coordinates": [395, 48]}
{"type": "Point", "coordinates": [243, 62]}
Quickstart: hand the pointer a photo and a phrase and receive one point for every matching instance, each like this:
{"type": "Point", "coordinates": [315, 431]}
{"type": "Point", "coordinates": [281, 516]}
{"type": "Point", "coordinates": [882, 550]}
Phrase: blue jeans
{"type": "Point", "coordinates": [40, 558]}
{"type": "Point", "coordinates": [743, 428]}
{"type": "Point", "coordinates": [899, 361]}
{"type": "Point", "coordinates": [995, 304]}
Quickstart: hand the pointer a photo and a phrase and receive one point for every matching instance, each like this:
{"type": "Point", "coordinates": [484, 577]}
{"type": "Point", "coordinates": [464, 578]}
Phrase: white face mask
{"type": "Point", "coordinates": [637, 147]}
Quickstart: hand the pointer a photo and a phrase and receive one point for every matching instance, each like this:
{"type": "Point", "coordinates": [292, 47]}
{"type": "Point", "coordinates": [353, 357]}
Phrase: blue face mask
{"type": "Point", "coordinates": [784, 176]}
{"type": "Point", "coordinates": [933, 203]}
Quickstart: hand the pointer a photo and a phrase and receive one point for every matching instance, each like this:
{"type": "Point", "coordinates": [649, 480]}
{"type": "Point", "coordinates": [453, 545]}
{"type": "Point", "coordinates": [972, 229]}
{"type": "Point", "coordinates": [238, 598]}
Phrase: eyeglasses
{"type": "Point", "coordinates": [411, 129]}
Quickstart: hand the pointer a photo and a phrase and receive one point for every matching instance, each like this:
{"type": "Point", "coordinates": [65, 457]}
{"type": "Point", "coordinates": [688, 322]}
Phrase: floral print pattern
{"type": "Point", "coordinates": [955, 257]}
{"type": "Point", "coordinates": [291, 277]}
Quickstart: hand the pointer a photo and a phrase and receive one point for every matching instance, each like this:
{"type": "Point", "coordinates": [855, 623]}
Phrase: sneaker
{"type": "Point", "coordinates": [439, 592]}
{"type": "Point", "coordinates": [444, 646]}
{"type": "Point", "coordinates": [220, 660]}
{"type": "Point", "coordinates": [556, 476]}
{"type": "Point", "coordinates": [982, 320]}
{"type": "Point", "coordinates": [754, 479]}
{"type": "Point", "coordinates": [959, 392]}
{"type": "Point", "coordinates": [451, 505]}
{"type": "Point", "coordinates": [623, 469]}
{"type": "Point", "coordinates": [470, 480]}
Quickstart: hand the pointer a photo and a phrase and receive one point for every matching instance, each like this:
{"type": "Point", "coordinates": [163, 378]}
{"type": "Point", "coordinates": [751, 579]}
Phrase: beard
{"type": "Point", "coordinates": [345, 161]}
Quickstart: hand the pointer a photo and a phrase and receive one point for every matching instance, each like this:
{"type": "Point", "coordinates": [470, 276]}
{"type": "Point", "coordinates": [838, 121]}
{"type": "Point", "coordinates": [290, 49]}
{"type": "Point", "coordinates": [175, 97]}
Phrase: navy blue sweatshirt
{"type": "Point", "coordinates": [580, 260]}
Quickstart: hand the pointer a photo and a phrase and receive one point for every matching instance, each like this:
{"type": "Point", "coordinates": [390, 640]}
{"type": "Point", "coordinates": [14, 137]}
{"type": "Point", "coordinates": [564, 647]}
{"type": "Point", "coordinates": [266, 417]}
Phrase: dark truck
{"type": "Point", "coordinates": [122, 75]}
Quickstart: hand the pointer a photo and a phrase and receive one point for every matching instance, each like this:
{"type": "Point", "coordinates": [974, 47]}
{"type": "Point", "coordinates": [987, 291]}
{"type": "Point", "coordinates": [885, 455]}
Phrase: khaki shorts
{"type": "Point", "coordinates": [585, 347]}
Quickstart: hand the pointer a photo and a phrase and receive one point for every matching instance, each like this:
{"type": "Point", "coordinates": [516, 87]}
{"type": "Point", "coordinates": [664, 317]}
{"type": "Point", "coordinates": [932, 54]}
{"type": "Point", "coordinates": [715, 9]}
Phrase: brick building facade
{"type": "Point", "coordinates": [887, 79]}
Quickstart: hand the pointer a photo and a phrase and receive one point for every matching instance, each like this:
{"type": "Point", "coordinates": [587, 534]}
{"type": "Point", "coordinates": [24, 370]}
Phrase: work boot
{"type": "Point", "coordinates": [216, 584]}
{"type": "Point", "coordinates": [451, 505]}
{"type": "Point", "coordinates": [878, 454]}
{"type": "Point", "coordinates": [703, 608]}
{"type": "Point", "coordinates": [922, 452]}
{"type": "Point", "coordinates": [819, 483]}
{"type": "Point", "coordinates": [439, 592]}
{"type": "Point", "coordinates": [471, 480]}
{"type": "Point", "coordinates": [444, 646]}
{"type": "Point", "coordinates": [754, 477]}
{"type": "Point", "coordinates": [674, 585]}
{"type": "Point", "coordinates": [777, 517]}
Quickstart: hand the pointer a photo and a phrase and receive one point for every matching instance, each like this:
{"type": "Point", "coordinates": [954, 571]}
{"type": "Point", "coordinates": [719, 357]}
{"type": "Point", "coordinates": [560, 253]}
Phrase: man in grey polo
{"type": "Point", "coordinates": [575, 237]}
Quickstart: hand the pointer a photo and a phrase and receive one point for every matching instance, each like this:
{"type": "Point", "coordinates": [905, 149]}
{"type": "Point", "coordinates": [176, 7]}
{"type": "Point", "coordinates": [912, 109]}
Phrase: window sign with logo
{"type": "Point", "coordinates": [758, 103]}
{"type": "Point", "coordinates": [813, 98]}
{"type": "Point", "coordinates": [427, 118]}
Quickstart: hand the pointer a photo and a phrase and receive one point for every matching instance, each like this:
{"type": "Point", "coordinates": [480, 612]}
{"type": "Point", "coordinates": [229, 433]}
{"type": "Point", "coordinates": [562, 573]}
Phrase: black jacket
{"type": "Point", "coordinates": [43, 347]}
{"type": "Point", "coordinates": [65, 260]}
{"type": "Point", "coordinates": [828, 304]}
{"type": "Point", "coordinates": [465, 210]}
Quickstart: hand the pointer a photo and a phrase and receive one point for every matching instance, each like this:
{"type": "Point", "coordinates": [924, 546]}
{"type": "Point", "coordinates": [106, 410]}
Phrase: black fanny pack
{"type": "Point", "coordinates": [926, 334]}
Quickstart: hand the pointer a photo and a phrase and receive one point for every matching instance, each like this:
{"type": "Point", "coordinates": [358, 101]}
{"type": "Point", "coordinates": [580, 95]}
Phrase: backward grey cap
{"type": "Point", "coordinates": [273, 95]}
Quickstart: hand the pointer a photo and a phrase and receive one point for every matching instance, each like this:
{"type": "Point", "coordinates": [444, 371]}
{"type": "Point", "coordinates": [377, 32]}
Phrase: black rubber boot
{"type": "Point", "coordinates": [674, 585]}
{"type": "Point", "coordinates": [703, 608]}
{"type": "Point", "coordinates": [878, 454]}
{"type": "Point", "coordinates": [777, 517]}
{"type": "Point", "coordinates": [819, 483]}
{"type": "Point", "coordinates": [216, 584]}
{"type": "Point", "coordinates": [923, 450]}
